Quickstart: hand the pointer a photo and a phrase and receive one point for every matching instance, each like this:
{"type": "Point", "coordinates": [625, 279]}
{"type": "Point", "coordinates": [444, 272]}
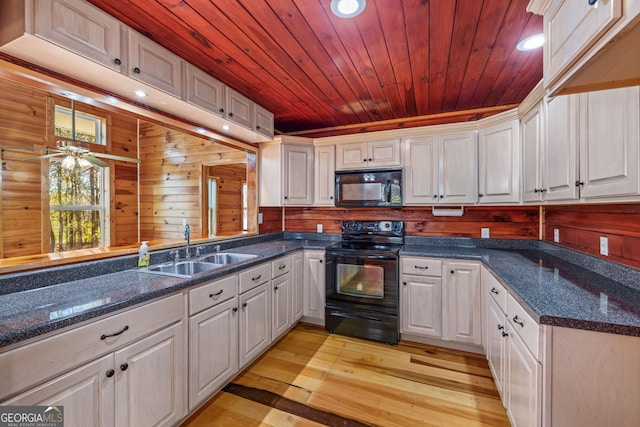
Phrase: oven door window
{"type": "Point", "coordinates": [360, 280]}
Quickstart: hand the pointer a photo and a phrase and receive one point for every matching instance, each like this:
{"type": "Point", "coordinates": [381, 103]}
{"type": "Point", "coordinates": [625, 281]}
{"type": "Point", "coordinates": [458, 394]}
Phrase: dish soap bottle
{"type": "Point", "coordinates": [143, 256]}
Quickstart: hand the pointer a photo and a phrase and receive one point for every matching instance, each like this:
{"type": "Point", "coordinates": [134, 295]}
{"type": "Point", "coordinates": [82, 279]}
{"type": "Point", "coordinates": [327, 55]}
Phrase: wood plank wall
{"type": "Point", "coordinates": [517, 222]}
{"type": "Point", "coordinates": [171, 179]}
{"type": "Point", "coordinates": [581, 226]}
{"type": "Point", "coordinates": [26, 122]}
{"type": "Point", "coordinates": [271, 220]}
{"type": "Point", "coordinates": [230, 179]}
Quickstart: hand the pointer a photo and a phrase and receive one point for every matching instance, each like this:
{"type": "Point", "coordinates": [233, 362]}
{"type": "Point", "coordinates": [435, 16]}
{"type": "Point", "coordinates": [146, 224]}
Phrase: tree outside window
{"type": "Point", "coordinates": [77, 195]}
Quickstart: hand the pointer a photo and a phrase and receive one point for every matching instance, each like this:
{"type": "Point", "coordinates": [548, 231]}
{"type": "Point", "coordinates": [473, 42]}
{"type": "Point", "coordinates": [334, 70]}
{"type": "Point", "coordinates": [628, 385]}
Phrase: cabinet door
{"type": "Point", "coordinates": [532, 155]}
{"type": "Point", "coordinates": [255, 323]}
{"type": "Point", "coordinates": [314, 287]}
{"type": "Point", "coordinates": [459, 168]}
{"type": "Point", "coordinates": [213, 350]}
{"type": "Point", "coordinates": [324, 170]}
{"type": "Point", "coordinates": [421, 170]}
{"type": "Point", "coordinates": [153, 64]}
{"type": "Point", "coordinates": [297, 286]}
{"type": "Point", "coordinates": [263, 121]}
{"type": "Point", "coordinates": [461, 302]}
{"type": "Point", "coordinates": [499, 163]}
{"type": "Point", "coordinates": [82, 28]}
{"type": "Point", "coordinates": [524, 384]}
{"type": "Point", "coordinates": [298, 179]}
{"type": "Point", "coordinates": [570, 28]}
{"type": "Point", "coordinates": [383, 153]}
{"type": "Point", "coordinates": [560, 166]}
{"type": "Point", "coordinates": [204, 91]}
{"type": "Point", "coordinates": [151, 380]}
{"type": "Point", "coordinates": [496, 330]}
{"type": "Point", "coordinates": [610, 127]}
{"type": "Point", "coordinates": [87, 394]}
{"type": "Point", "coordinates": [352, 156]}
{"type": "Point", "coordinates": [421, 305]}
{"type": "Point", "coordinates": [281, 306]}
{"type": "Point", "coordinates": [239, 109]}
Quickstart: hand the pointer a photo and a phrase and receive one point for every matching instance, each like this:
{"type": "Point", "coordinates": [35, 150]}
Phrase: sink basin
{"type": "Point", "coordinates": [183, 269]}
{"type": "Point", "coordinates": [227, 258]}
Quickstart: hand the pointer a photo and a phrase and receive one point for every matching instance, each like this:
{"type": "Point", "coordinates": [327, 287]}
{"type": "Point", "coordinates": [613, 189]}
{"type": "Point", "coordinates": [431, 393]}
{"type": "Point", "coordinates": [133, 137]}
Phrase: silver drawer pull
{"type": "Point", "coordinates": [420, 268]}
{"type": "Point", "coordinates": [255, 279]}
{"type": "Point", "coordinates": [517, 320]}
{"type": "Point", "coordinates": [217, 294]}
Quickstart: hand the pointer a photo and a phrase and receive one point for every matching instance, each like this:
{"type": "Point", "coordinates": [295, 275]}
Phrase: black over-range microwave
{"type": "Point", "coordinates": [369, 188]}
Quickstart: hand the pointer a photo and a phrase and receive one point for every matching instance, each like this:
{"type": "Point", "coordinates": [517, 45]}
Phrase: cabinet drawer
{"type": "Point", "coordinates": [280, 266]}
{"type": "Point", "coordinates": [49, 357]}
{"type": "Point", "coordinates": [524, 326]}
{"type": "Point", "coordinates": [254, 277]}
{"type": "Point", "coordinates": [422, 266]}
{"type": "Point", "coordinates": [495, 289]}
{"type": "Point", "coordinates": [212, 294]}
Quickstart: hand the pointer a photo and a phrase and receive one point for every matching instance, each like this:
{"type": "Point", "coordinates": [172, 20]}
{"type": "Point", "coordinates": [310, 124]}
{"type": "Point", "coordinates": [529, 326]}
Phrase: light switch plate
{"type": "Point", "coordinates": [484, 233]}
{"type": "Point", "coordinates": [259, 217]}
{"type": "Point", "coordinates": [604, 246]}
{"type": "Point", "coordinates": [319, 228]}
{"type": "Point", "coordinates": [556, 235]}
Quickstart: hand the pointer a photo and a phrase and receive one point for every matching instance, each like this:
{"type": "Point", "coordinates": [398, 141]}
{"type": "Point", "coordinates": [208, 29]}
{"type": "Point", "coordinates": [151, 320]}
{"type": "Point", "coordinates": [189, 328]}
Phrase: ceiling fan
{"type": "Point", "coordinates": [77, 154]}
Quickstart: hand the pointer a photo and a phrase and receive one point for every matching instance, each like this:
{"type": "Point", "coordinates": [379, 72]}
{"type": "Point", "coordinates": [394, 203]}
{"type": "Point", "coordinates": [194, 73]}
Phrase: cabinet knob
{"type": "Point", "coordinates": [453, 271]}
{"type": "Point", "coordinates": [235, 309]}
{"type": "Point", "coordinates": [117, 61]}
{"type": "Point", "coordinates": [370, 160]}
{"type": "Point", "coordinates": [230, 114]}
{"type": "Point", "coordinates": [124, 366]}
{"type": "Point", "coordinates": [257, 126]}
{"type": "Point", "coordinates": [364, 160]}
{"type": "Point", "coordinates": [136, 70]}
{"type": "Point", "coordinates": [480, 195]}
{"type": "Point", "coordinates": [404, 283]}
{"type": "Point", "coordinates": [244, 304]}
{"type": "Point", "coordinates": [579, 183]}
{"type": "Point", "coordinates": [222, 110]}
{"type": "Point", "coordinates": [441, 196]}
{"type": "Point", "coordinates": [320, 261]}
{"type": "Point", "coordinates": [435, 196]}
{"type": "Point", "coordinates": [592, 2]}
{"type": "Point", "coordinates": [110, 373]}
{"type": "Point", "coordinates": [286, 197]}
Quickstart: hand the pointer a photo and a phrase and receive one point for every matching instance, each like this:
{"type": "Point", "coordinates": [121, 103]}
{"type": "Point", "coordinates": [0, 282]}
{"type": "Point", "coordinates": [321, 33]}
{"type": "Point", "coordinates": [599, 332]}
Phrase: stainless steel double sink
{"type": "Point", "coordinates": [195, 266]}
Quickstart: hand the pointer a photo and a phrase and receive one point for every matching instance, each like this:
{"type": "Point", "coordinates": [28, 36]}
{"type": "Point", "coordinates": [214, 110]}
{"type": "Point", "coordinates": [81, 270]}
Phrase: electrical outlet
{"type": "Point", "coordinates": [319, 228]}
{"type": "Point", "coordinates": [484, 233]}
{"type": "Point", "coordinates": [556, 235]}
{"type": "Point", "coordinates": [604, 246]}
{"type": "Point", "coordinates": [259, 217]}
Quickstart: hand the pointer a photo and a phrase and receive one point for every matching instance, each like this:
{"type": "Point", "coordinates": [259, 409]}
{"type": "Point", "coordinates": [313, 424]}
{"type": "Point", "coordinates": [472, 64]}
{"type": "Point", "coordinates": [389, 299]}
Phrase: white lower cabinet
{"type": "Point", "coordinates": [281, 297]}
{"type": "Point", "coordinates": [314, 287]}
{"type": "Point", "coordinates": [441, 299]}
{"type": "Point", "coordinates": [142, 384]}
{"type": "Point", "coordinates": [297, 286]}
{"type": "Point", "coordinates": [255, 323]}
{"type": "Point", "coordinates": [523, 390]}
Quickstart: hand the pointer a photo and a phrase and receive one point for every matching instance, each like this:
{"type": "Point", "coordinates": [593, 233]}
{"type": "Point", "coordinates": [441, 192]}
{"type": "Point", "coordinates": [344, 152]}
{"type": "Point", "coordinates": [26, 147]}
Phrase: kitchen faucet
{"type": "Point", "coordinates": [187, 237]}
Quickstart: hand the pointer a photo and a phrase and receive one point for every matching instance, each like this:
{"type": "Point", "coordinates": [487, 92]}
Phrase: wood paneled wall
{"type": "Point", "coordinates": [518, 222]}
{"type": "Point", "coordinates": [230, 179]}
{"type": "Point", "coordinates": [271, 220]}
{"type": "Point", "coordinates": [581, 226]}
{"type": "Point", "coordinates": [26, 121]}
{"type": "Point", "coordinates": [171, 180]}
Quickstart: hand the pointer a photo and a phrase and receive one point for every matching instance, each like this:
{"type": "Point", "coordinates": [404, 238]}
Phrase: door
{"type": "Point", "coordinates": [352, 156]}
{"type": "Point", "coordinates": [325, 167]}
{"type": "Point", "coordinates": [86, 393]}
{"type": "Point", "coordinates": [384, 153]}
{"type": "Point", "coordinates": [213, 350]}
{"type": "Point", "coordinates": [153, 64]}
{"type": "Point", "coordinates": [609, 122]}
{"type": "Point", "coordinates": [560, 167]}
{"type": "Point", "coordinates": [297, 185]}
{"type": "Point", "coordinates": [463, 317]}
{"type": "Point", "coordinates": [204, 91]}
{"type": "Point", "coordinates": [524, 384]}
{"type": "Point", "coordinates": [297, 286]}
{"type": "Point", "coordinates": [314, 287]}
{"type": "Point", "coordinates": [239, 109]}
{"type": "Point", "coordinates": [421, 174]}
{"type": "Point", "coordinates": [499, 163]}
{"type": "Point", "coordinates": [281, 305]}
{"type": "Point", "coordinates": [263, 121]}
{"type": "Point", "coordinates": [255, 323]}
{"type": "Point", "coordinates": [151, 380]}
{"type": "Point", "coordinates": [496, 328]}
{"type": "Point", "coordinates": [532, 155]}
{"type": "Point", "coordinates": [459, 168]}
{"type": "Point", "coordinates": [421, 299]}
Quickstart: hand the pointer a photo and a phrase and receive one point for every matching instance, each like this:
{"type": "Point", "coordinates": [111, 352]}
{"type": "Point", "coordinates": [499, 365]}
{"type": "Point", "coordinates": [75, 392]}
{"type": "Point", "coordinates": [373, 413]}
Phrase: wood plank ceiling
{"type": "Point", "coordinates": [400, 63]}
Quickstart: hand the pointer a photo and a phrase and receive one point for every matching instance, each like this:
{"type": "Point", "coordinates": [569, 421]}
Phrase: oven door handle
{"type": "Point", "coordinates": [355, 254]}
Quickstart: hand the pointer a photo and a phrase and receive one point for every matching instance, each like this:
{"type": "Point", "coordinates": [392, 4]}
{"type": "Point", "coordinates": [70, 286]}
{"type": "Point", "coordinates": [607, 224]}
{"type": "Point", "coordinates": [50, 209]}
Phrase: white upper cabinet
{"type": "Point", "coordinates": [239, 109]}
{"type": "Point", "coordinates": [204, 91]}
{"type": "Point", "coordinates": [531, 126]}
{"type": "Point", "coordinates": [610, 135]}
{"type": "Point", "coordinates": [324, 174]}
{"type": "Point", "coordinates": [440, 169]}
{"type": "Point", "coordinates": [560, 142]}
{"type": "Point", "coordinates": [263, 121]}
{"type": "Point", "coordinates": [81, 27]}
{"type": "Point", "coordinates": [153, 64]}
{"type": "Point", "coordinates": [372, 154]}
{"type": "Point", "coordinates": [499, 163]}
{"type": "Point", "coordinates": [286, 172]}
{"type": "Point", "coordinates": [588, 44]}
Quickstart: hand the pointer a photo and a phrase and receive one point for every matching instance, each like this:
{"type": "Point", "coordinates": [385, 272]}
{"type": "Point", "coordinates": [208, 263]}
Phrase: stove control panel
{"type": "Point", "coordinates": [373, 227]}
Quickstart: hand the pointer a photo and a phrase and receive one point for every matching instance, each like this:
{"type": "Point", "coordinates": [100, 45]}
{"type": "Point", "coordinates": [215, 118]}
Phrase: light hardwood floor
{"type": "Point", "coordinates": [312, 378]}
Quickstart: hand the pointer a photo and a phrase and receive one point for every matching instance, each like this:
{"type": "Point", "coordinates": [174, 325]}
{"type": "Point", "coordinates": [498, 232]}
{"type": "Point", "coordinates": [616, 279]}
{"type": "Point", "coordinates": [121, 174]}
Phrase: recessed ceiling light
{"type": "Point", "coordinates": [225, 127]}
{"type": "Point", "coordinates": [140, 93]}
{"type": "Point", "coordinates": [532, 42]}
{"type": "Point", "coordinates": [347, 8]}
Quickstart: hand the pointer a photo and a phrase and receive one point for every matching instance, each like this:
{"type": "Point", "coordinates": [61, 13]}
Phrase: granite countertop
{"type": "Point", "coordinates": [29, 312]}
{"type": "Point", "coordinates": [556, 286]}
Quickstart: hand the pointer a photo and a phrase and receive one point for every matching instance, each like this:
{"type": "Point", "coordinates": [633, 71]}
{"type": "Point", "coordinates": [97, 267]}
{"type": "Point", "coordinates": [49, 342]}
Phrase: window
{"type": "Point", "coordinates": [245, 206]}
{"type": "Point", "coordinates": [78, 191]}
{"type": "Point", "coordinates": [213, 205]}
